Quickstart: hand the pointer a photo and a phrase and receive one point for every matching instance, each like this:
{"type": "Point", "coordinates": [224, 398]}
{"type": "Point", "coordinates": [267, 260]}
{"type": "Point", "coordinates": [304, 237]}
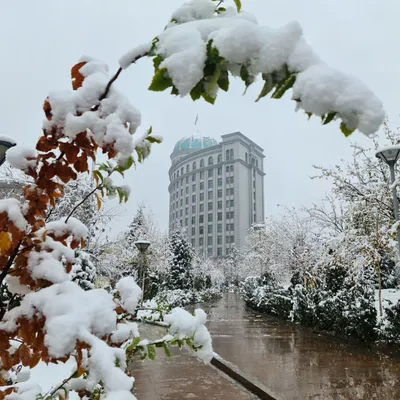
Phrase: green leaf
{"type": "Point", "coordinates": [161, 81]}
{"type": "Point", "coordinates": [99, 175]}
{"type": "Point", "coordinates": [151, 351]}
{"type": "Point", "coordinates": [157, 60]}
{"type": "Point", "coordinates": [245, 75]}
{"type": "Point", "coordinates": [346, 131]}
{"type": "Point", "coordinates": [329, 118]}
{"type": "Point", "coordinates": [220, 10]}
{"type": "Point", "coordinates": [223, 81]}
{"type": "Point", "coordinates": [133, 345]}
{"type": "Point", "coordinates": [208, 98]}
{"type": "Point", "coordinates": [175, 91]}
{"type": "Point", "coordinates": [238, 5]}
{"type": "Point", "coordinates": [287, 84]}
{"type": "Point", "coordinates": [268, 86]}
{"type": "Point", "coordinates": [195, 93]}
{"type": "Point", "coordinates": [166, 349]}
{"type": "Point", "coordinates": [309, 115]}
{"type": "Point", "coordinates": [152, 139]}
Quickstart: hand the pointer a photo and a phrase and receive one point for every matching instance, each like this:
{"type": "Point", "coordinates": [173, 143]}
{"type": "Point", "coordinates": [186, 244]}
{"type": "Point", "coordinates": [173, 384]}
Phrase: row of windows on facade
{"type": "Point", "coordinates": [228, 204]}
{"type": "Point", "coordinates": [175, 205]}
{"type": "Point", "coordinates": [210, 185]}
{"type": "Point", "coordinates": [229, 227]}
{"type": "Point", "coordinates": [228, 215]}
{"type": "Point", "coordinates": [228, 240]}
{"type": "Point", "coordinates": [229, 155]}
{"type": "Point", "coordinates": [229, 168]}
{"type": "Point", "coordinates": [210, 252]}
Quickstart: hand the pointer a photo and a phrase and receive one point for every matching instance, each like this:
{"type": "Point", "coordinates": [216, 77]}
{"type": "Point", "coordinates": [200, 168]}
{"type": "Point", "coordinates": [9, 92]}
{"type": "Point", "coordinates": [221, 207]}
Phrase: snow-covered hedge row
{"type": "Point", "coordinates": [347, 310]}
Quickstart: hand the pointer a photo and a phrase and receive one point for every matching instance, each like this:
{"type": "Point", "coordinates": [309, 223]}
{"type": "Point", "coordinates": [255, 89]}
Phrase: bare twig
{"type": "Point", "coordinates": [82, 201]}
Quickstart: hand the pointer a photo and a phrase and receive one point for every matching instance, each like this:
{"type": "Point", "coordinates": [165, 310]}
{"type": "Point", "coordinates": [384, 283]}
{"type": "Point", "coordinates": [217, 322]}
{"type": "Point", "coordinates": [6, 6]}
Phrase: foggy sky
{"type": "Point", "coordinates": [41, 40]}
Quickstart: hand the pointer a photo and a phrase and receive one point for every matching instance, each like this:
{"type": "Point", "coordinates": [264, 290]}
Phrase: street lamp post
{"type": "Point", "coordinates": [390, 155]}
{"type": "Point", "coordinates": [142, 246]}
{"type": "Point", "coordinates": [5, 144]}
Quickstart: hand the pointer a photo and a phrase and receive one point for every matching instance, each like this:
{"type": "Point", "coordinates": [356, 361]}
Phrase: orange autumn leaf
{"type": "Point", "coordinates": [47, 109]}
{"type": "Point", "coordinates": [5, 242]}
{"type": "Point", "coordinates": [76, 77]}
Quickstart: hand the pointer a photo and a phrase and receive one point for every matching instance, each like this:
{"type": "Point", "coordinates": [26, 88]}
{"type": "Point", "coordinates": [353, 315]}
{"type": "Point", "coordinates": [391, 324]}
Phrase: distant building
{"type": "Point", "coordinates": [216, 191]}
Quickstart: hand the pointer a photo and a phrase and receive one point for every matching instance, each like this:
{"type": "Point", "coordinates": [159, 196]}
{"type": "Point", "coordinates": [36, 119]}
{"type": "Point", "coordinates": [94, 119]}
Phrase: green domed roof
{"type": "Point", "coordinates": [197, 143]}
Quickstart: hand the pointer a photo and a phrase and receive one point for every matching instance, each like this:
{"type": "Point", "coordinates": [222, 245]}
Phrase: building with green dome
{"type": "Point", "coordinates": [216, 191]}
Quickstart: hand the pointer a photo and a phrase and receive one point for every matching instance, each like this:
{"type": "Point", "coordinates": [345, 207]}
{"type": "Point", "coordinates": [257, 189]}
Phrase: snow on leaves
{"type": "Point", "coordinates": [204, 44]}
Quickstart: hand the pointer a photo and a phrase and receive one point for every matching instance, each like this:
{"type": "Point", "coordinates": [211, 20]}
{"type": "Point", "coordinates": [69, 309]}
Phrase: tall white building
{"type": "Point", "coordinates": [216, 191]}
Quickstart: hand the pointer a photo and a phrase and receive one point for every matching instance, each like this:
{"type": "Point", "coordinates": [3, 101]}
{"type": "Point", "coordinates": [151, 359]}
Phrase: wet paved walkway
{"type": "Point", "coordinates": [297, 363]}
{"type": "Point", "coordinates": [181, 377]}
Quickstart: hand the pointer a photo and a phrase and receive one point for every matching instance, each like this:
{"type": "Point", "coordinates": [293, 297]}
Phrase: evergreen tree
{"type": "Point", "coordinates": [135, 228]}
{"type": "Point", "coordinates": [83, 270]}
{"type": "Point", "coordinates": [180, 276]}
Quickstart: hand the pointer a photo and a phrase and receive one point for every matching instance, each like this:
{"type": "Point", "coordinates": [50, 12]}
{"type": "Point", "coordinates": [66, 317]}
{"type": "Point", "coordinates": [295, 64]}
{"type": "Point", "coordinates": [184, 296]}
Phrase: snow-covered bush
{"type": "Point", "coordinates": [389, 329]}
{"type": "Point", "coordinates": [83, 270]}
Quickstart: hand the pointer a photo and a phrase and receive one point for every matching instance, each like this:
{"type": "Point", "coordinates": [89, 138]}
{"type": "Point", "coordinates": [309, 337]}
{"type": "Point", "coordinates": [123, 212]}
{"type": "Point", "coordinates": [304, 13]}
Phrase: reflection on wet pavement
{"type": "Point", "coordinates": [296, 362]}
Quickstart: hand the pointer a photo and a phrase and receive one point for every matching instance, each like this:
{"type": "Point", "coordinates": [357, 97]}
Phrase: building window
{"type": "Point", "coordinates": [219, 239]}
{"type": "Point", "coordinates": [219, 193]}
{"type": "Point", "coordinates": [193, 242]}
{"type": "Point", "coordinates": [187, 211]}
{"type": "Point", "coordinates": [209, 217]}
{"type": "Point", "coordinates": [193, 187]}
{"type": "Point", "coordinates": [187, 189]}
{"type": "Point", "coordinates": [194, 165]}
{"type": "Point", "coordinates": [219, 252]}
{"type": "Point", "coordinates": [193, 177]}
{"type": "Point", "coordinates": [219, 227]}
{"type": "Point", "coordinates": [210, 161]}
{"type": "Point", "coordinates": [187, 180]}
{"type": "Point", "coordinates": [254, 206]}
{"type": "Point", "coordinates": [228, 238]}
{"type": "Point", "coordinates": [254, 217]}
{"type": "Point", "coordinates": [220, 181]}
{"type": "Point", "coordinates": [201, 163]}
{"type": "Point", "coordinates": [201, 230]}
{"type": "Point", "coordinates": [232, 227]}
{"type": "Point", "coordinates": [209, 251]}
{"type": "Point", "coordinates": [193, 198]}
{"type": "Point", "coordinates": [210, 173]}
{"type": "Point", "coordinates": [220, 216]}
{"type": "Point", "coordinates": [246, 157]}
{"type": "Point", "coordinates": [193, 211]}
{"type": "Point", "coordinates": [181, 202]}
{"type": "Point", "coordinates": [254, 195]}
{"type": "Point", "coordinates": [202, 175]}
{"type": "Point", "coordinates": [227, 155]}
{"type": "Point", "coordinates": [256, 163]}
{"type": "Point", "coordinates": [254, 184]}
{"type": "Point", "coordinates": [187, 168]}
{"type": "Point", "coordinates": [182, 171]}
{"type": "Point", "coordinates": [201, 207]}
{"type": "Point", "coordinates": [231, 154]}
{"type": "Point", "coordinates": [182, 182]}
{"type": "Point", "coordinates": [193, 220]}
{"type": "Point", "coordinates": [177, 173]}
{"type": "Point", "coordinates": [210, 195]}
{"type": "Point", "coordinates": [219, 170]}
{"type": "Point", "coordinates": [219, 158]}
{"type": "Point", "coordinates": [209, 229]}
{"type": "Point", "coordinates": [201, 241]}
{"type": "Point", "coordinates": [209, 241]}
{"type": "Point", "coordinates": [180, 213]}
{"type": "Point", "coordinates": [210, 206]}
{"type": "Point", "coordinates": [232, 239]}
{"type": "Point", "coordinates": [210, 184]}
{"type": "Point", "coordinates": [228, 204]}
{"type": "Point", "coordinates": [227, 168]}
{"type": "Point", "coordinates": [252, 161]}
{"type": "Point", "coordinates": [201, 219]}
{"type": "Point", "coordinates": [231, 168]}
{"type": "Point", "coordinates": [201, 196]}
{"type": "Point", "coordinates": [201, 185]}
{"type": "Point", "coordinates": [186, 222]}
{"type": "Point", "coordinates": [254, 173]}
{"type": "Point", "coordinates": [227, 180]}
{"type": "Point", "coordinates": [231, 179]}
{"type": "Point", "coordinates": [219, 204]}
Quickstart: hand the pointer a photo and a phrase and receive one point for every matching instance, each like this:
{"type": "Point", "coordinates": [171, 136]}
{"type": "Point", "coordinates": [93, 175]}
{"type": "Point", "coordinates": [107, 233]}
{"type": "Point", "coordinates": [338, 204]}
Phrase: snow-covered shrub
{"type": "Point", "coordinates": [175, 298]}
{"type": "Point", "coordinates": [390, 325]}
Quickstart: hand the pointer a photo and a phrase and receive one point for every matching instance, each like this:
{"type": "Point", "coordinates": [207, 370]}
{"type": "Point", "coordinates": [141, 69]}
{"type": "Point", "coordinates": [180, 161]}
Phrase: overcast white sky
{"type": "Point", "coordinates": [41, 40]}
